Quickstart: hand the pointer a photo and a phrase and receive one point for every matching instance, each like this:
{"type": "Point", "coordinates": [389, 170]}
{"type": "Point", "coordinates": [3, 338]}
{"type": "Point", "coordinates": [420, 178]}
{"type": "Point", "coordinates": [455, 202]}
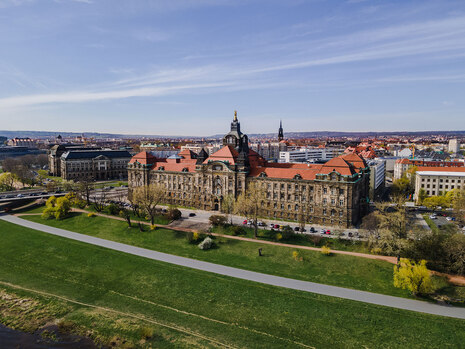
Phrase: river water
{"type": "Point", "coordinates": [20, 340]}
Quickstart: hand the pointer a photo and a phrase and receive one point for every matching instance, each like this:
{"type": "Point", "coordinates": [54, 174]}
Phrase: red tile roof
{"type": "Point", "coordinates": [339, 165]}
{"type": "Point", "coordinates": [143, 158]}
{"type": "Point", "coordinates": [441, 169]}
{"type": "Point", "coordinates": [227, 153]}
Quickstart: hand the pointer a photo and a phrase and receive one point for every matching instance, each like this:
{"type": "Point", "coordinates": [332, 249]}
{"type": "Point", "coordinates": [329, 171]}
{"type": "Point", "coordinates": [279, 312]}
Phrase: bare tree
{"type": "Point", "coordinates": [84, 189]}
{"type": "Point", "coordinates": [99, 199]}
{"type": "Point", "coordinates": [251, 202]}
{"type": "Point", "coordinates": [148, 197]}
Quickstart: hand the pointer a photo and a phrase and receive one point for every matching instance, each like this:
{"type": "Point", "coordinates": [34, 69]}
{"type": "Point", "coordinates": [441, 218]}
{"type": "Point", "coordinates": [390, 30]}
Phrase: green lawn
{"type": "Point", "coordinates": [194, 303]}
{"type": "Point", "coordinates": [312, 240]}
{"type": "Point", "coordinates": [339, 270]}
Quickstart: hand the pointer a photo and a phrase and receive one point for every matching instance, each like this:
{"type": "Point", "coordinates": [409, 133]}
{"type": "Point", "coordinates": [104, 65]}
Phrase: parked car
{"type": "Point", "coordinates": [350, 234]}
{"type": "Point", "coordinates": [192, 214]}
{"type": "Point", "coordinates": [296, 229]}
{"type": "Point", "coordinates": [276, 226]}
{"type": "Point", "coordinates": [261, 224]}
{"type": "Point", "coordinates": [20, 196]}
{"type": "Point", "coordinates": [433, 216]}
{"type": "Point", "coordinates": [328, 232]}
{"type": "Point", "coordinates": [312, 230]}
{"type": "Point", "coordinates": [449, 218]}
{"type": "Point", "coordinates": [245, 221]}
{"type": "Point", "coordinates": [323, 231]}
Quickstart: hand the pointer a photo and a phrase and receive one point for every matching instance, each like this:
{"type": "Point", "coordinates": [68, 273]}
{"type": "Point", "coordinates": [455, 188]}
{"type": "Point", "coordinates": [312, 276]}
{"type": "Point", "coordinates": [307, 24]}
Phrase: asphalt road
{"type": "Point", "coordinates": [333, 291]}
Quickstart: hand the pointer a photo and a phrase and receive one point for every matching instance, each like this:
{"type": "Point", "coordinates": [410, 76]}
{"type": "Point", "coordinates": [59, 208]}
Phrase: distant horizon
{"type": "Point", "coordinates": [216, 135]}
{"type": "Point", "coordinates": [184, 66]}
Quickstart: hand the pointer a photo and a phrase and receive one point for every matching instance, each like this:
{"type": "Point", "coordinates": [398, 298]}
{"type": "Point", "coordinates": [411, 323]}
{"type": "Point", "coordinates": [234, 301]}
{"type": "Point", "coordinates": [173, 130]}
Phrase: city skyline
{"type": "Point", "coordinates": [181, 68]}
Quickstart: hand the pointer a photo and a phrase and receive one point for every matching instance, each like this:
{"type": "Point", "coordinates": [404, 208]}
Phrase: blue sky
{"type": "Point", "coordinates": [181, 67]}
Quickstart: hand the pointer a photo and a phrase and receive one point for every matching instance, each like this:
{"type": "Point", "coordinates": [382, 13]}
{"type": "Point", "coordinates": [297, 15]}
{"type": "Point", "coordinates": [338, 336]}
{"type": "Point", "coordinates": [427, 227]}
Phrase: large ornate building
{"type": "Point", "coordinates": [334, 193]}
{"type": "Point", "coordinates": [77, 163]}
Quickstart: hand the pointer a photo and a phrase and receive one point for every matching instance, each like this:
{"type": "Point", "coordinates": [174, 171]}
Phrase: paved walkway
{"type": "Point", "coordinates": [333, 291]}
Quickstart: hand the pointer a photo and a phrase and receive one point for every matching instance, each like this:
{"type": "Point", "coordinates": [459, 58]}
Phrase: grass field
{"type": "Point", "coordinates": [201, 309]}
{"type": "Point", "coordinates": [301, 239]}
{"type": "Point", "coordinates": [339, 270]}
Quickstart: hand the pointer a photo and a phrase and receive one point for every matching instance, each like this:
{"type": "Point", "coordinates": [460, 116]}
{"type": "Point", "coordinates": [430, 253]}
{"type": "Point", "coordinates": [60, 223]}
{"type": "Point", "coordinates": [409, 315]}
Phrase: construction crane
{"type": "Point", "coordinates": [412, 148]}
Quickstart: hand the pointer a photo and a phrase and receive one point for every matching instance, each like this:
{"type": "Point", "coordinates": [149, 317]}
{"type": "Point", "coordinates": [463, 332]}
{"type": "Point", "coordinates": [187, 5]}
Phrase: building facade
{"type": "Point", "coordinates": [98, 165]}
{"type": "Point", "coordinates": [439, 180]}
{"type": "Point", "coordinates": [307, 154]}
{"type": "Point", "coordinates": [334, 193]}
{"type": "Point", "coordinates": [403, 165]}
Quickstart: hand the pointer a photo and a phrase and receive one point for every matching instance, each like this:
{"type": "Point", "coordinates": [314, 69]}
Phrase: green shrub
{"type": "Point", "coordinates": [238, 230]}
{"type": "Point", "coordinates": [112, 209]}
{"type": "Point", "coordinates": [287, 233]}
{"type": "Point", "coordinates": [146, 332]}
{"type": "Point", "coordinates": [217, 220]}
{"type": "Point", "coordinates": [173, 214]}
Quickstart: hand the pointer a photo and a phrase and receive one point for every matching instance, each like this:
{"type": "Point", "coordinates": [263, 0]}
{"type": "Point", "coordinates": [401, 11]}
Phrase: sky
{"type": "Point", "coordinates": [181, 67]}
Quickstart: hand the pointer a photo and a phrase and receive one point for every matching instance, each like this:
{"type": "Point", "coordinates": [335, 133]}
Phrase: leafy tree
{"type": "Point", "coordinates": [393, 230]}
{"type": "Point", "coordinates": [421, 196]}
{"type": "Point", "coordinates": [7, 181]}
{"type": "Point", "coordinates": [402, 187]}
{"type": "Point", "coordinates": [287, 233]}
{"type": "Point", "coordinates": [148, 197]}
{"type": "Point", "coordinates": [458, 204]}
{"type": "Point", "coordinates": [455, 251]}
{"type": "Point", "coordinates": [251, 202]}
{"type": "Point", "coordinates": [412, 276]}
{"type": "Point", "coordinates": [436, 201]}
{"type": "Point", "coordinates": [62, 208]}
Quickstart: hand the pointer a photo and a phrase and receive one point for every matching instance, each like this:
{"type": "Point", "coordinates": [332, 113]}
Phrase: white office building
{"type": "Point", "coordinates": [306, 154]}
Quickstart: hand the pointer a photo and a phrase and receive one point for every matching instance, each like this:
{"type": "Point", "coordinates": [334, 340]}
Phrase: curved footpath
{"type": "Point", "coordinates": [333, 291]}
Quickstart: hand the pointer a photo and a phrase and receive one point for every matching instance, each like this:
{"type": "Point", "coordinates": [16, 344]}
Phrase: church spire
{"type": "Point", "coordinates": [280, 131]}
{"type": "Point", "coordinates": [235, 115]}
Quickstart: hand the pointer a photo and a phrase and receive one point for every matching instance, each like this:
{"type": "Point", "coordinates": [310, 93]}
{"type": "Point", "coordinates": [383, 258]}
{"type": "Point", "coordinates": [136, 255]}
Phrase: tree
{"type": "Point", "coordinates": [250, 203]}
{"type": "Point", "coordinates": [62, 207]}
{"type": "Point", "coordinates": [402, 187]}
{"type": "Point", "coordinates": [227, 206]}
{"type": "Point", "coordinates": [436, 201]}
{"type": "Point", "coordinates": [458, 204]}
{"type": "Point", "coordinates": [455, 251]}
{"type": "Point", "coordinates": [392, 230]}
{"type": "Point", "coordinates": [421, 196]}
{"type": "Point", "coordinates": [84, 189]}
{"type": "Point", "coordinates": [99, 199]}
{"type": "Point", "coordinates": [412, 276]}
{"type": "Point", "coordinates": [148, 197]}
{"type": "Point", "coordinates": [7, 181]}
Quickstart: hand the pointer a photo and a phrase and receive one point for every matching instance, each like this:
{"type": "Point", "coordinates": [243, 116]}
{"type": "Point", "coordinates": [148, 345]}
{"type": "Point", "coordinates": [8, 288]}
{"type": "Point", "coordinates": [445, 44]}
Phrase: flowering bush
{"type": "Point", "coordinates": [91, 214]}
{"type": "Point", "coordinates": [206, 244]}
{"type": "Point", "coordinates": [326, 250]}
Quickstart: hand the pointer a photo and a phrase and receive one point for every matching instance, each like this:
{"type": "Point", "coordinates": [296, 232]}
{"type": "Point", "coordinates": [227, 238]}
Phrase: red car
{"type": "Point", "coordinates": [328, 232]}
{"type": "Point", "coordinates": [276, 226]}
{"type": "Point", "coordinates": [245, 221]}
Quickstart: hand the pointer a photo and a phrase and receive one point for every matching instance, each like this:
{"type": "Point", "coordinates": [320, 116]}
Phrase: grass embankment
{"type": "Point", "coordinates": [312, 240]}
{"type": "Point", "coordinates": [339, 270]}
{"type": "Point", "coordinates": [201, 309]}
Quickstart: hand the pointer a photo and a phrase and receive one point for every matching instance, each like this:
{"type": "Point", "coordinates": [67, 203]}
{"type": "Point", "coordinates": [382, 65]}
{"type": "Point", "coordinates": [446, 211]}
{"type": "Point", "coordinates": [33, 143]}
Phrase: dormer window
{"type": "Point", "coordinates": [262, 175]}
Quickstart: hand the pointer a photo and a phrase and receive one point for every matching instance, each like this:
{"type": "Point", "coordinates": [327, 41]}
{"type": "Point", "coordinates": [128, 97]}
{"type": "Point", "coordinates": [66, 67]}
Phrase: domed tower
{"type": "Point", "coordinates": [236, 138]}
